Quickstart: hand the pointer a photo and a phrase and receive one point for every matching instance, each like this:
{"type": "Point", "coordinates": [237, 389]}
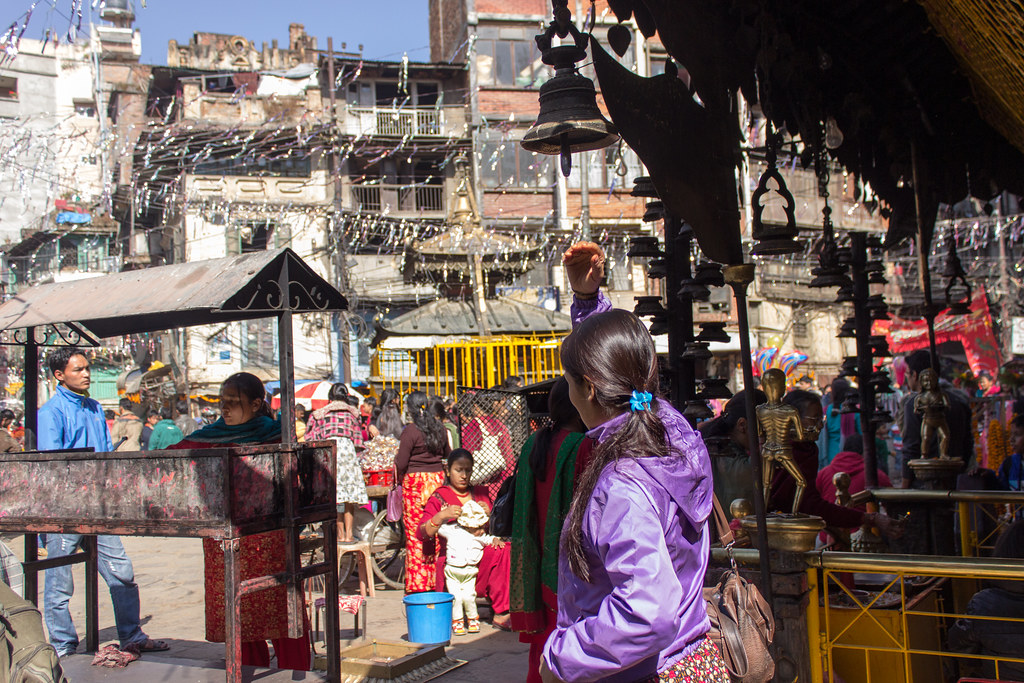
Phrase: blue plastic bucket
{"type": "Point", "coordinates": [429, 617]}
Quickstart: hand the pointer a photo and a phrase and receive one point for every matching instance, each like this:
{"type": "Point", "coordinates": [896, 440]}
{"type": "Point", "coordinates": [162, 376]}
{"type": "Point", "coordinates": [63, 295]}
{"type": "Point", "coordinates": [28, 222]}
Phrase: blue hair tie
{"type": "Point", "coordinates": [640, 400]}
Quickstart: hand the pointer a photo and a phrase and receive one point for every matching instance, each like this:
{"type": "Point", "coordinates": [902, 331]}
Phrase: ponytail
{"type": "Point", "coordinates": [614, 352]}
{"type": "Point", "coordinates": [434, 434]}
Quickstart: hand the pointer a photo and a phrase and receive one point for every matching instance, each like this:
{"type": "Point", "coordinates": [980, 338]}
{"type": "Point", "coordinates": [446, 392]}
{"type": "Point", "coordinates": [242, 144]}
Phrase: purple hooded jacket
{"type": "Point", "coordinates": [646, 537]}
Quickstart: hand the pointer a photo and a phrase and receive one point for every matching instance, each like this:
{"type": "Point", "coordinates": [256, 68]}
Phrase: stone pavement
{"type": "Point", "coordinates": [169, 572]}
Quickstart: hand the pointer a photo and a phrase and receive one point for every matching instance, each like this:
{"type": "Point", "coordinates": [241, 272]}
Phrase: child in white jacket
{"type": "Point", "coordinates": [466, 541]}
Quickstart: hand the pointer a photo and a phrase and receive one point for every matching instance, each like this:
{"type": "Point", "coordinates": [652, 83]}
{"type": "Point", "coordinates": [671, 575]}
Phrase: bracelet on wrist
{"type": "Point", "coordinates": [585, 296]}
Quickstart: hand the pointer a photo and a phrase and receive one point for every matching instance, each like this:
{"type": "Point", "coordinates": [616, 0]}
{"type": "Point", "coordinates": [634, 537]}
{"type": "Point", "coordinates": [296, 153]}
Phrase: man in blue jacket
{"type": "Point", "coordinates": [70, 419]}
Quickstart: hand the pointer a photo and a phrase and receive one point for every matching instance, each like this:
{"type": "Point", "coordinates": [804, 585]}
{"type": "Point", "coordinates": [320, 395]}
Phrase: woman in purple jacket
{"type": "Point", "coordinates": [635, 543]}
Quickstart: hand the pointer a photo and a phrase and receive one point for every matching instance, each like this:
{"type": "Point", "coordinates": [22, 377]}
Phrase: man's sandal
{"type": "Point", "coordinates": [150, 645]}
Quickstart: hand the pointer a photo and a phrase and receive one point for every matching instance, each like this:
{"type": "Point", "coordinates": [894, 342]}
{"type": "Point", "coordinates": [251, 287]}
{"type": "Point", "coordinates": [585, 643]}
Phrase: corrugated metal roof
{"type": "Point", "coordinates": [180, 295]}
{"type": "Point", "coordinates": [504, 315]}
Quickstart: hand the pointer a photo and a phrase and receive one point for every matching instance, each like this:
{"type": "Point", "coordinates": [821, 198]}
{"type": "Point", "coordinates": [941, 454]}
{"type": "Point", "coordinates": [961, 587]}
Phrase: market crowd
{"type": "Point", "coordinates": [602, 567]}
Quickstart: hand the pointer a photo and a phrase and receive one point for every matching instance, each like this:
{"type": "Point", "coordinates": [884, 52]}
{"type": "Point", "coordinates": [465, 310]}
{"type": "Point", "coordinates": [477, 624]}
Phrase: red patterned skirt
{"type": "Point", "coordinates": [703, 665]}
{"type": "Point", "coordinates": [417, 487]}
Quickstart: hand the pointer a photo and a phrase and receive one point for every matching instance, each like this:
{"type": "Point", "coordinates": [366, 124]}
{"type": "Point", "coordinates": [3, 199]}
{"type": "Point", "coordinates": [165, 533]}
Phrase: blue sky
{"type": "Point", "coordinates": [386, 28]}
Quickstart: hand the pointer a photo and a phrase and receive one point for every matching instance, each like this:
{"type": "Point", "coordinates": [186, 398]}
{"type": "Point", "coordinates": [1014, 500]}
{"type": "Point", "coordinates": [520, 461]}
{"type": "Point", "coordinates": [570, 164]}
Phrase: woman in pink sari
{"type": "Point", "coordinates": [444, 506]}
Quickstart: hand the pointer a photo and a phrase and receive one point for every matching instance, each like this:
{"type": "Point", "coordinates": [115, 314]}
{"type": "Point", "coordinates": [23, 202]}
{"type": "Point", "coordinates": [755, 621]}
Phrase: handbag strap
{"type": "Point", "coordinates": [721, 523]}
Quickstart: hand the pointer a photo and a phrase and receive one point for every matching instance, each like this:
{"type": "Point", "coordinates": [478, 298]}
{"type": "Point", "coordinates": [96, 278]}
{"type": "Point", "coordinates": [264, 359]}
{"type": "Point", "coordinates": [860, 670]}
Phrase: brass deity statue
{"type": "Point", "coordinates": [932, 404]}
{"type": "Point", "coordinates": [776, 421]}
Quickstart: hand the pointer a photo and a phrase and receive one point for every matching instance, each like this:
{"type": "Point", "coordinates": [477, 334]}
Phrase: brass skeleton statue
{"type": "Point", "coordinates": [776, 422]}
{"type": "Point", "coordinates": [932, 404]}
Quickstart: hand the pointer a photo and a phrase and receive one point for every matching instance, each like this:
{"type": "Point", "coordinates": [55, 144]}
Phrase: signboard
{"type": "Point", "coordinates": [1017, 336]}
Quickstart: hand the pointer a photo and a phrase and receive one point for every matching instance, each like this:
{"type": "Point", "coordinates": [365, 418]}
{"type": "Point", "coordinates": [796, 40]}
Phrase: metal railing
{"type": "Point", "coordinates": [981, 515]}
{"type": "Point", "coordinates": [898, 630]}
{"type": "Point", "coordinates": [399, 199]}
{"type": "Point", "coordinates": [387, 121]}
{"type": "Point", "coordinates": [480, 362]}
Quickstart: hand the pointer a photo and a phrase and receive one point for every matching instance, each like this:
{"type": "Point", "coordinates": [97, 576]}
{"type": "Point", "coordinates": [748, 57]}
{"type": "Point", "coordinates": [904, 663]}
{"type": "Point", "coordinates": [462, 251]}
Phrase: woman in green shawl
{"type": "Point", "coordinates": [245, 419]}
{"type": "Point", "coordinates": [549, 466]}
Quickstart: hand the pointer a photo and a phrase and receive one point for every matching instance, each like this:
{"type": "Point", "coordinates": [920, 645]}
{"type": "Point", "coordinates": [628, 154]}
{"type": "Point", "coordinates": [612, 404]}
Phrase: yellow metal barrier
{"type": "Point", "coordinates": [981, 515]}
{"type": "Point", "coordinates": [476, 362]}
{"type": "Point", "coordinates": [897, 632]}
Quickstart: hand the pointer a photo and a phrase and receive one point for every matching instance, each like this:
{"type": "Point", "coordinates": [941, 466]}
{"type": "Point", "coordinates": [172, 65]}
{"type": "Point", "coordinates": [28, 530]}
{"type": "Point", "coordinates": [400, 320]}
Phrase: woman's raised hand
{"type": "Point", "coordinates": [584, 266]}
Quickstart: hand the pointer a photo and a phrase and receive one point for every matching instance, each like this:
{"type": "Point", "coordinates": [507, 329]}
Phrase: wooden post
{"type": "Point", "coordinates": [232, 610]}
{"type": "Point", "coordinates": [739, 277]}
{"type": "Point", "coordinates": [92, 616]}
{"type": "Point", "coordinates": [680, 313]}
{"type": "Point", "coordinates": [331, 633]}
{"type": "Point", "coordinates": [31, 443]}
{"type": "Point", "coordinates": [296, 620]}
{"type": "Point", "coordinates": [865, 364]}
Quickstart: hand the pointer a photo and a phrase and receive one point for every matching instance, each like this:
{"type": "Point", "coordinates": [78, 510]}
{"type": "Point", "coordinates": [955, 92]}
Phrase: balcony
{"type": "Point", "coordinates": [442, 122]}
{"type": "Point", "coordinates": [400, 200]}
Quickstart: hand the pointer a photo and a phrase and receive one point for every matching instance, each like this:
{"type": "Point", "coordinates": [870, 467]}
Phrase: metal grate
{"type": "Point", "coordinates": [493, 425]}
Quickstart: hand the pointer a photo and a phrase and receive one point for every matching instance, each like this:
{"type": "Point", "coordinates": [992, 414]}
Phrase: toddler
{"type": "Point", "coordinates": [465, 548]}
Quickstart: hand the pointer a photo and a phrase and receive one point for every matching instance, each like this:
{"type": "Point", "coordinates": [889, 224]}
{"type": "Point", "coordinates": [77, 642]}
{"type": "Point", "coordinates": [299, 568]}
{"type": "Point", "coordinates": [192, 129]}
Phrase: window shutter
{"type": "Point", "coordinates": [234, 240]}
{"type": "Point", "coordinates": [282, 236]}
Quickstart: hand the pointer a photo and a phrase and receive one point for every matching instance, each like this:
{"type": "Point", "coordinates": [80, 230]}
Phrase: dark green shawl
{"type": "Point", "coordinates": [535, 557]}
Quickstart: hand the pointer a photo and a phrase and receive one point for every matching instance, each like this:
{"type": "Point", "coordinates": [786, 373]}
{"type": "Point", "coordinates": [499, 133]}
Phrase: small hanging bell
{"type": "Point", "coordinates": [657, 269]}
{"type": "Point", "coordinates": [659, 325]}
{"type": "Point", "coordinates": [850, 405]}
{"type": "Point", "coordinates": [693, 291]}
{"type": "Point", "coordinates": [643, 186]}
{"type": "Point", "coordinates": [848, 330]}
{"type": "Point", "coordinates": [696, 351]}
{"type": "Point", "coordinates": [654, 211]}
{"type": "Point", "coordinates": [772, 238]}
{"type": "Point", "coordinates": [709, 274]}
{"type": "Point", "coordinates": [845, 294]}
{"type": "Point", "coordinates": [714, 387]}
{"type": "Point", "coordinates": [648, 305]}
{"type": "Point", "coordinates": [713, 332]}
{"type": "Point", "coordinates": [877, 278]}
{"type": "Point", "coordinates": [569, 119]}
{"type": "Point", "coordinates": [644, 247]}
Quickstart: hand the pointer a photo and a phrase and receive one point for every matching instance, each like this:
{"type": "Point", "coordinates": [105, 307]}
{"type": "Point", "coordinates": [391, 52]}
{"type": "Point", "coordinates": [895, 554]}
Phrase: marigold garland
{"type": "Point", "coordinates": [998, 445]}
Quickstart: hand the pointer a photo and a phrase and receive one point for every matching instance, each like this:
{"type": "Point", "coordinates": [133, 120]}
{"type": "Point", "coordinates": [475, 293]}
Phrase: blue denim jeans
{"type": "Point", "coordinates": [115, 568]}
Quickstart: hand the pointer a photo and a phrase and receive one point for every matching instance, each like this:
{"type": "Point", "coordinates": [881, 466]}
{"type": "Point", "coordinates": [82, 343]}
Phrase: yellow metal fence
{"type": "Point", "coordinates": [899, 630]}
{"type": "Point", "coordinates": [479, 362]}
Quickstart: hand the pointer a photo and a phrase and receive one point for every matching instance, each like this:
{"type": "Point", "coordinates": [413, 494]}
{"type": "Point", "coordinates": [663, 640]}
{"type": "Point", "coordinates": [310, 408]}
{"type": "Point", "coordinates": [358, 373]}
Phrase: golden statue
{"type": "Point", "coordinates": [932, 404]}
{"type": "Point", "coordinates": [775, 421]}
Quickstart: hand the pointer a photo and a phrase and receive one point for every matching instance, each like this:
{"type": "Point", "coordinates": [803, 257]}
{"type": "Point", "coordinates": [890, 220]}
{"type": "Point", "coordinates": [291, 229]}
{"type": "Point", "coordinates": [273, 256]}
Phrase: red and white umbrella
{"type": "Point", "coordinates": [313, 395]}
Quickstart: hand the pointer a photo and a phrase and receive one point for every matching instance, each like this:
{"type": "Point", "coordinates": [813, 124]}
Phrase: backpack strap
{"type": "Point", "coordinates": [721, 523]}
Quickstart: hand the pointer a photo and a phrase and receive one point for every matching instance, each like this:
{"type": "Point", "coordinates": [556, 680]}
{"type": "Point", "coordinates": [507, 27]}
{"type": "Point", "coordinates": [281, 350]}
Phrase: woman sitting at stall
{"type": "Point", "coordinates": [419, 469]}
{"type": "Point", "coordinates": [444, 506]}
{"type": "Point", "coordinates": [245, 419]}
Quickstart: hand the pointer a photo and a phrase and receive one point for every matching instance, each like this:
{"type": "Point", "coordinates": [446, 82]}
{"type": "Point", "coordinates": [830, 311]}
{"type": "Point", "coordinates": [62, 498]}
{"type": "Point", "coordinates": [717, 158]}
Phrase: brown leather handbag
{"type": "Point", "coordinates": [742, 625]}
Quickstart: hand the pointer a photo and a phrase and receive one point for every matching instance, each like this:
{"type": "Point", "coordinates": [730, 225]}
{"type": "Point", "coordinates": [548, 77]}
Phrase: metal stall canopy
{"type": "Point", "coordinates": [255, 285]}
{"type": "Point", "coordinates": [243, 287]}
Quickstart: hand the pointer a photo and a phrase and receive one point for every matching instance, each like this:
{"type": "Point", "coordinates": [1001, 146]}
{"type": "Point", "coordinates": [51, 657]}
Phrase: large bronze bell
{"type": "Point", "coordinates": [569, 120]}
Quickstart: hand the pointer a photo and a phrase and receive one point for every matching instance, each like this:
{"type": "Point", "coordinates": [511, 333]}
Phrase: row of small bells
{"type": "Point", "coordinates": [696, 288]}
{"type": "Point", "coordinates": [833, 270]}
